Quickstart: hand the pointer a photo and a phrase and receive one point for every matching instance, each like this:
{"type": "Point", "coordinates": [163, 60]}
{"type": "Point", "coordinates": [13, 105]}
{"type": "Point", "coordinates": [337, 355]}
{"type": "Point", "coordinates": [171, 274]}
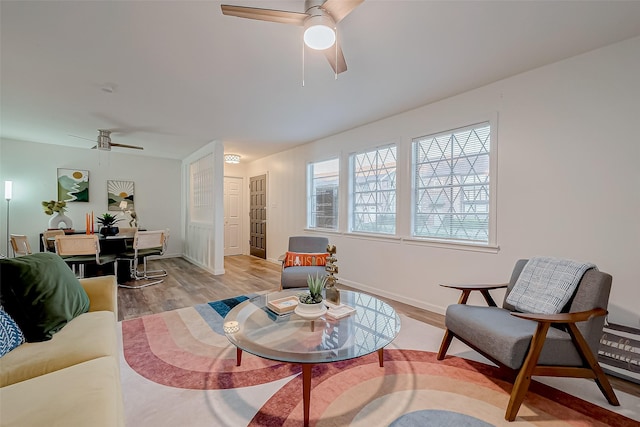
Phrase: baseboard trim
{"type": "Point", "coordinates": [394, 296]}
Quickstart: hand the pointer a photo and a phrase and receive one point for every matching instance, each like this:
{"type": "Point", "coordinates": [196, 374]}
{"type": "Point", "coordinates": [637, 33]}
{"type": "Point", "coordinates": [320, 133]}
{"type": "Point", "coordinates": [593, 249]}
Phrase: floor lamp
{"type": "Point", "coordinates": [8, 193]}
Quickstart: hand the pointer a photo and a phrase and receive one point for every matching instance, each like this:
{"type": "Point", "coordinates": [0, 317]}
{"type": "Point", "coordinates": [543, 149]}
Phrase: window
{"type": "Point", "coordinates": [201, 189]}
{"type": "Point", "coordinates": [451, 184]}
{"type": "Point", "coordinates": [373, 191]}
{"type": "Point", "coordinates": [322, 207]}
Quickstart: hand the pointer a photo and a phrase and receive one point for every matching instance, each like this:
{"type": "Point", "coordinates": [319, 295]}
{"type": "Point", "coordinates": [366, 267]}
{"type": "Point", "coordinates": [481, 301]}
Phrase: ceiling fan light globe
{"type": "Point", "coordinates": [319, 33]}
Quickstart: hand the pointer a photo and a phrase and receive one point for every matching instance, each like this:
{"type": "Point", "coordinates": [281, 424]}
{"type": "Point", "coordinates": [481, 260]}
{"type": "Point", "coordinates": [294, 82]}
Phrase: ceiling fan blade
{"type": "Point", "coordinates": [331, 57]}
{"type": "Point", "coordinates": [135, 147]}
{"type": "Point", "coordinates": [338, 9]}
{"type": "Point", "coordinates": [82, 137]}
{"type": "Point", "coordinates": [281, 16]}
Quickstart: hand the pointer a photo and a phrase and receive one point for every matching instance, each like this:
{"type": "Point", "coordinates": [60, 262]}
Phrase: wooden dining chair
{"type": "Point", "coordinates": [81, 249]}
{"type": "Point", "coordinates": [145, 244]}
{"type": "Point", "coordinates": [127, 231]}
{"type": "Point", "coordinates": [20, 245]}
{"type": "Point", "coordinates": [48, 239]}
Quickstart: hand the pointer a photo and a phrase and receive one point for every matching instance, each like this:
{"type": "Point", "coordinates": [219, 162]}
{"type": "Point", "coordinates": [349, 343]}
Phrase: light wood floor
{"type": "Point", "coordinates": [187, 285]}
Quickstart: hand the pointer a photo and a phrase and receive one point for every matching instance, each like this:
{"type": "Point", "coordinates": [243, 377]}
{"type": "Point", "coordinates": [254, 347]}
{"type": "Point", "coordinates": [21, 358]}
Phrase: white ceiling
{"type": "Point", "coordinates": [184, 75]}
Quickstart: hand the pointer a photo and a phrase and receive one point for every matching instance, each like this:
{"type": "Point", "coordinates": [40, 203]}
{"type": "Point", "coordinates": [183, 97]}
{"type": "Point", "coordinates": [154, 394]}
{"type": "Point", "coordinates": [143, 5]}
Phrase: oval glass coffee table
{"type": "Point", "coordinates": [252, 327]}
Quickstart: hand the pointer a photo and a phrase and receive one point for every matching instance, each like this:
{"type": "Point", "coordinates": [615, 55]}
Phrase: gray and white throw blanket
{"type": "Point", "coordinates": [546, 284]}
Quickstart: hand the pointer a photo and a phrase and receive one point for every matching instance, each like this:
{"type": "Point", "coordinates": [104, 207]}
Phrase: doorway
{"type": "Point", "coordinates": [258, 216]}
{"type": "Point", "coordinates": [232, 216]}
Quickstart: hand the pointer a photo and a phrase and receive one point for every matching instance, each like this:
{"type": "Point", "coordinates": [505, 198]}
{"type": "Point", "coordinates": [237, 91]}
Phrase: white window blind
{"type": "Point", "coordinates": [373, 191]}
{"type": "Point", "coordinates": [451, 184]}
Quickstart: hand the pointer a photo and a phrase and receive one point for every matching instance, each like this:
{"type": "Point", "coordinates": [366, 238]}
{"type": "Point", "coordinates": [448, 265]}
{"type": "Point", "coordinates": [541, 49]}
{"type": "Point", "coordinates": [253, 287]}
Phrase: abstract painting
{"type": "Point", "coordinates": [73, 185]}
{"type": "Point", "coordinates": [118, 191]}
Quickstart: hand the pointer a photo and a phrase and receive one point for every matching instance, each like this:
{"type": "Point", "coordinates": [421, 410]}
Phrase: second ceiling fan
{"type": "Point", "coordinates": [319, 19]}
{"type": "Point", "coordinates": [104, 141]}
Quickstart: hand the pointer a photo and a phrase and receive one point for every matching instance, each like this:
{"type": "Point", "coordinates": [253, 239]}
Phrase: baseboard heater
{"type": "Point", "coordinates": [619, 352]}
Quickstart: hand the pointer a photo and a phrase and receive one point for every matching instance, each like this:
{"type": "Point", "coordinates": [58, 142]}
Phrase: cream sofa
{"type": "Point", "coordinates": [72, 379]}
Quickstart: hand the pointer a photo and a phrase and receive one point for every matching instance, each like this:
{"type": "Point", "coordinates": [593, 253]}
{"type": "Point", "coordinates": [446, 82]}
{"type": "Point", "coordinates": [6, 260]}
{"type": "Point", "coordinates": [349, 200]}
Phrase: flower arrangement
{"type": "Point", "coordinates": [316, 285]}
{"type": "Point", "coordinates": [52, 206]}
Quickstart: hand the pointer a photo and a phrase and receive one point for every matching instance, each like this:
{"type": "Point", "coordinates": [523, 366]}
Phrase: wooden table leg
{"type": "Point", "coordinates": [306, 390]}
{"type": "Point", "coordinates": [238, 356]}
{"type": "Point", "coordinates": [381, 357]}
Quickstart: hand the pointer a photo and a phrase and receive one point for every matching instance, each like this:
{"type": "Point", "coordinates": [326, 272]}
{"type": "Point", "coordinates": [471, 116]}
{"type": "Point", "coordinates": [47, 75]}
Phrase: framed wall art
{"type": "Point", "coordinates": [73, 185]}
{"type": "Point", "coordinates": [119, 191]}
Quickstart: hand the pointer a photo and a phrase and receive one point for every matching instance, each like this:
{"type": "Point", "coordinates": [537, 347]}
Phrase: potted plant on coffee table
{"type": "Point", "coordinates": [108, 221]}
{"type": "Point", "coordinates": [310, 303]}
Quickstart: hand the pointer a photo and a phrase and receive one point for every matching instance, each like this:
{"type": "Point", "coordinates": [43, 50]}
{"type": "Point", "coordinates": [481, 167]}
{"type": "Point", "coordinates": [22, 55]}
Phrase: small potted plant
{"type": "Point", "coordinates": [108, 222]}
{"type": "Point", "coordinates": [311, 302]}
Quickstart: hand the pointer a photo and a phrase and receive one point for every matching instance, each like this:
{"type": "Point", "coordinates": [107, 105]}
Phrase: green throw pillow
{"type": "Point", "coordinates": [41, 293]}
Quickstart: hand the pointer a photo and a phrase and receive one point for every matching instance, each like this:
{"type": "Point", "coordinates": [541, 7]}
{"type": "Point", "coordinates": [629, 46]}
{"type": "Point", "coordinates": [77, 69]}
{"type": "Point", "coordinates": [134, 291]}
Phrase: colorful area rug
{"type": "Point", "coordinates": [179, 369]}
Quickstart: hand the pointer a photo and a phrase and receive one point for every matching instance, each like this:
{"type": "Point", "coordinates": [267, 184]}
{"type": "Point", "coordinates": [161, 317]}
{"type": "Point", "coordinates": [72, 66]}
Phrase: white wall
{"type": "Point", "coordinates": [33, 169]}
{"type": "Point", "coordinates": [204, 224]}
{"type": "Point", "coordinates": [568, 183]}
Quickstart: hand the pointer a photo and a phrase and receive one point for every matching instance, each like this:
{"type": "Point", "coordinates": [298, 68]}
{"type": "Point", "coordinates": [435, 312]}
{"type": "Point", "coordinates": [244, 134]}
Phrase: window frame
{"type": "Point", "coordinates": [491, 243]}
{"type": "Point", "coordinates": [312, 196]}
{"type": "Point", "coordinates": [353, 195]}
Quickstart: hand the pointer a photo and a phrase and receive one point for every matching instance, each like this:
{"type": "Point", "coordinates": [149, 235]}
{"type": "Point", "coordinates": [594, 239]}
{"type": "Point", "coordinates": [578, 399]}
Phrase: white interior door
{"type": "Point", "coordinates": [232, 220]}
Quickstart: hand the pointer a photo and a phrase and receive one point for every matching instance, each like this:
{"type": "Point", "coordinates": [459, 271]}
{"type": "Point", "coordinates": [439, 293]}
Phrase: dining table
{"type": "Point", "coordinates": [109, 245]}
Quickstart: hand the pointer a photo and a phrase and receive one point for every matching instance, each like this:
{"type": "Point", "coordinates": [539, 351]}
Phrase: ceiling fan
{"type": "Point", "coordinates": [319, 20]}
{"type": "Point", "coordinates": [104, 141]}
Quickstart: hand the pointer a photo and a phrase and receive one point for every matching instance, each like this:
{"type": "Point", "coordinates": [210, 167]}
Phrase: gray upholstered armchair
{"type": "Point", "coordinates": [296, 276]}
{"type": "Point", "coordinates": [563, 344]}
